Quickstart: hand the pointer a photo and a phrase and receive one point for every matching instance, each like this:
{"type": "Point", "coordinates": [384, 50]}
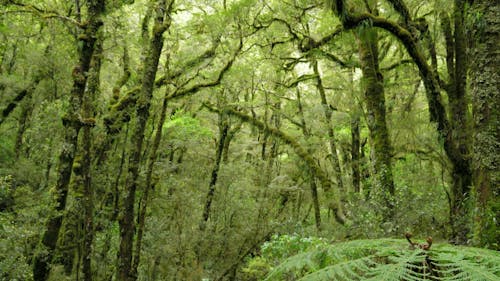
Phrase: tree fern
{"type": "Point", "coordinates": [389, 260]}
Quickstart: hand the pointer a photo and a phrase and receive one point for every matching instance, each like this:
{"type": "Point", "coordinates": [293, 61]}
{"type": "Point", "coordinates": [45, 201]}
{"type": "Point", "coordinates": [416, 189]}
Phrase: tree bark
{"type": "Point", "coordinates": [331, 134]}
{"type": "Point", "coordinates": [223, 130]}
{"type": "Point", "coordinates": [485, 85]}
{"type": "Point", "coordinates": [126, 221]}
{"type": "Point", "coordinates": [460, 138]}
{"type": "Point", "coordinates": [27, 109]}
{"type": "Point", "coordinates": [148, 186]}
{"type": "Point", "coordinates": [355, 155]}
{"type": "Point", "coordinates": [376, 120]}
{"type": "Point", "coordinates": [25, 93]}
{"type": "Point", "coordinates": [312, 178]}
{"type": "Point", "coordinates": [72, 124]}
{"type": "Point", "coordinates": [88, 115]}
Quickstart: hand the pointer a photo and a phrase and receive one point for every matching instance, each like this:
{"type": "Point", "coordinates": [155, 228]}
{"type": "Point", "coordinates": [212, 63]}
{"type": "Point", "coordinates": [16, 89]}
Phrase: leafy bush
{"type": "Point", "coordinates": [284, 246]}
{"type": "Point", "coordinates": [276, 250]}
{"type": "Point", "coordinates": [389, 259]}
{"type": "Point", "coordinates": [20, 225]}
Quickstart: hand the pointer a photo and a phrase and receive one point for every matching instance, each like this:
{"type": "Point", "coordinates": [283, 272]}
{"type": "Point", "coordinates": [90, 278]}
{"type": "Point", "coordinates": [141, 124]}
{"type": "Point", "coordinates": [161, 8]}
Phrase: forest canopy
{"type": "Point", "coordinates": [249, 140]}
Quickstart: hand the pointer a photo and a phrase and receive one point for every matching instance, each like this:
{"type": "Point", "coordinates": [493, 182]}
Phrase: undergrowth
{"type": "Point", "coordinates": [389, 260]}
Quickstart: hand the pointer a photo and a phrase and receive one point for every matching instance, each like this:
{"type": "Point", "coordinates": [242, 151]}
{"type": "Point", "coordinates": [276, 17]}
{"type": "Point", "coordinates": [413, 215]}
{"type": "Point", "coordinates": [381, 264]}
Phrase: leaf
{"type": "Point", "coordinates": [390, 260]}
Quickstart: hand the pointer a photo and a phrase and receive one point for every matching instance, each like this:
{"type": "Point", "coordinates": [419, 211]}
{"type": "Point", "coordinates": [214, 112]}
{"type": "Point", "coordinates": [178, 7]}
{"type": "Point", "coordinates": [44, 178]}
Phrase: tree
{"type": "Point", "coordinates": [376, 120]}
{"type": "Point", "coordinates": [72, 124]}
{"type": "Point", "coordinates": [484, 88]}
{"type": "Point", "coordinates": [127, 218]}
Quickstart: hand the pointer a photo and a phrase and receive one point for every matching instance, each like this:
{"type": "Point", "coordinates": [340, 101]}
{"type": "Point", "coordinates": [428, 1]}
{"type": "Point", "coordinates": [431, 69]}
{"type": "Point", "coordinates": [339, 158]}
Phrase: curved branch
{"type": "Point", "coordinates": [217, 81]}
{"type": "Point", "coordinates": [396, 65]}
{"type": "Point", "coordinates": [431, 81]}
{"type": "Point", "coordinates": [401, 8]}
{"type": "Point", "coordinates": [13, 104]}
{"type": "Point", "coordinates": [210, 53]}
{"type": "Point", "coordinates": [299, 150]}
{"type": "Point", "coordinates": [44, 14]}
{"type": "Point", "coordinates": [333, 58]}
{"type": "Point", "coordinates": [309, 43]}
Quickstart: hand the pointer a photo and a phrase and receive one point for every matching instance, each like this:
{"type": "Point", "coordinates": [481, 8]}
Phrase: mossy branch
{"type": "Point", "coordinates": [333, 58]}
{"type": "Point", "coordinates": [125, 76]}
{"type": "Point", "coordinates": [401, 8]}
{"type": "Point", "coordinates": [210, 53]}
{"type": "Point", "coordinates": [18, 99]}
{"type": "Point", "coordinates": [396, 65]}
{"type": "Point", "coordinates": [309, 43]}
{"type": "Point", "coordinates": [217, 81]}
{"type": "Point", "coordinates": [44, 14]}
{"type": "Point", "coordinates": [431, 81]}
{"type": "Point", "coordinates": [13, 104]}
{"type": "Point", "coordinates": [299, 150]}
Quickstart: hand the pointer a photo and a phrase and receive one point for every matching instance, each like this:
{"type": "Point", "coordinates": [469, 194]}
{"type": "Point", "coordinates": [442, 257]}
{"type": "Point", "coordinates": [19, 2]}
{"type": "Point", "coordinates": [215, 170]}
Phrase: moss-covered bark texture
{"type": "Point", "coordinates": [485, 85]}
{"type": "Point", "coordinates": [376, 119]}
{"type": "Point", "coordinates": [127, 218]}
{"type": "Point", "coordinates": [72, 124]}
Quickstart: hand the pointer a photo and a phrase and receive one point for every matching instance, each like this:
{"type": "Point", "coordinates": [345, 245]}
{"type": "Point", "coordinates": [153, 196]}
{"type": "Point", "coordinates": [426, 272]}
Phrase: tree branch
{"type": "Point", "coordinates": [297, 147]}
{"type": "Point", "coordinates": [44, 14]}
{"type": "Point", "coordinates": [217, 81]}
{"type": "Point", "coordinates": [431, 81]}
{"type": "Point", "coordinates": [401, 8]}
{"type": "Point", "coordinates": [396, 65]}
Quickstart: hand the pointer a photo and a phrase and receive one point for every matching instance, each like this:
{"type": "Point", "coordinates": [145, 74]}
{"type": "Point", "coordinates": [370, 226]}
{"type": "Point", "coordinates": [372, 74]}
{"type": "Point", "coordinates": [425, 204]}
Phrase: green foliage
{"type": "Point", "coordinates": [389, 259]}
{"type": "Point", "coordinates": [283, 246]}
{"type": "Point", "coordinates": [6, 151]}
{"type": "Point", "coordinates": [6, 199]}
{"type": "Point", "coordinates": [20, 225]}
{"type": "Point", "coordinates": [279, 248]}
{"type": "Point", "coordinates": [183, 127]}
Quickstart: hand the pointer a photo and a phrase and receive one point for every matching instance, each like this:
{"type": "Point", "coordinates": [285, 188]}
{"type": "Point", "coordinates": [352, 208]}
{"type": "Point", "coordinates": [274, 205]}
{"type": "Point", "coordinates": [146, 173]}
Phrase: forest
{"type": "Point", "coordinates": [249, 140]}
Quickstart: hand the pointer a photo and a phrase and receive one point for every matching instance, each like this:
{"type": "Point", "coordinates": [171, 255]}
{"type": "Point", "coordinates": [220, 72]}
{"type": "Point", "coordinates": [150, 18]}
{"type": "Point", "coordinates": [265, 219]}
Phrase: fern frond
{"type": "Point", "coordinates": [348, 270]}
{"type": "Point", "coordinates": [390, 260]}
{"type": "Point", "coordinates": [462, 263]}
{"type": "Point", "coordinates": [302, 262]}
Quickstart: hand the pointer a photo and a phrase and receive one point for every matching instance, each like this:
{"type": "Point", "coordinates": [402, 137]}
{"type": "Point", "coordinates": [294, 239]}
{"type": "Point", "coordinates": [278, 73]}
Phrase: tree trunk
{"type": "Point", "coordinates": [355, 155]}
{"type": "Point", "coordinates": [117, 116]}
{"type": "Point", "coordinates": [331, 134]}
{"type": "Point", "coordinates": [376, 120]}
{"type": "Point", "coordinates": [457, 143]}
{"type": "Point", "coordinates": [148, 186]}
{"type": "Point", "coordinates": [311, 177]}
{"type": "Point", "coordinates": [127, 224]}
{"type": "Point", "coordinates": [88, 114]}
{"type": "Point", "coordinates": [459, 152]}
{"type": "Point", "coordinates": [230, 135]}
{"type": "Point", "coordinates": [223, 129]}
{"type": "Point", "coordinates": [485, 87]}
{"type": "Point", "coordinates": [27, 109]}
{"type": "Point", "coordinates": [72, 126]}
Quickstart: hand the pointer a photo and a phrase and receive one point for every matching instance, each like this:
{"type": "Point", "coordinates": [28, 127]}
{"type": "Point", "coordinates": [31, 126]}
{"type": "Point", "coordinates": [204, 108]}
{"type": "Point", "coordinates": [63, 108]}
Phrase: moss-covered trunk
{"type": "Point", "coordinates": [458, 147]}
{"type": "Point", "coordinates": [148, 187]}
{"type": "Point", "coordinates": [312, 178]}
{"type": "Point", "coordinates": [127, 218]}
{"type": "Point", "coordinates": [485, 85]}
{"type": "Point", "coordinates": [27, 109]}
{"type": "Point", "coordinates": [72, 124]}
{"type": "Point", "coordinates": [376, 120]}
{"type": "Point", "coordinates": [88, 115]}
{"type": "Point", "coordinates": [327, 111]}
{"type": "Point", "coordinates": [355, 153]}
{"type": "Point", "coordinates": [223, 131]}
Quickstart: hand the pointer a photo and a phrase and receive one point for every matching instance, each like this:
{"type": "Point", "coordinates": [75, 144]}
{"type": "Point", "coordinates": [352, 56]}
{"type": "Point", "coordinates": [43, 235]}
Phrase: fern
{"type": "Point", "coordinates": [389, 260]}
